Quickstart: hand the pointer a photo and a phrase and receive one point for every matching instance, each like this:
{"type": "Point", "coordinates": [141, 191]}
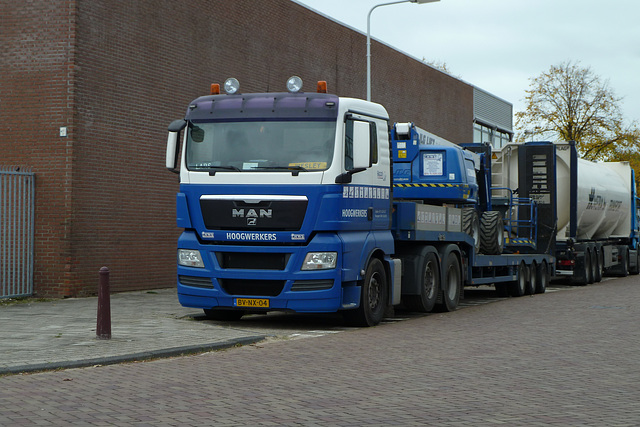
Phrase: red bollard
{"type": "Point", "coordinates": [103, 328]}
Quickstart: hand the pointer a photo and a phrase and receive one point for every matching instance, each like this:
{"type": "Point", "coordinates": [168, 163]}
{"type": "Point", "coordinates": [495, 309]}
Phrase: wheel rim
{"type": "Point", "coordinates": [429, 280]}
{"type": "Point", "coordinates": [374, 291]}
{"type": "Point", "coordinates": [522, 280]}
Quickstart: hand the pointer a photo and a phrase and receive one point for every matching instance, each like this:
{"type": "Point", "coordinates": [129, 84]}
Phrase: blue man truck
{"type": "Point", "coordinates": [312, 203]}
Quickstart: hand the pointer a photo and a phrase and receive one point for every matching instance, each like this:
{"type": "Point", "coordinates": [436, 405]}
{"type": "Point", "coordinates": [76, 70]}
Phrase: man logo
{"type": "Point", "coordinates": [252, 215]}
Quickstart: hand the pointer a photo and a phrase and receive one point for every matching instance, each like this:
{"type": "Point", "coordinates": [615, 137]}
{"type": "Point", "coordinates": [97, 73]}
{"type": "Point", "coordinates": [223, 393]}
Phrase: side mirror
{"type": "Point", "coordinates": [172, 143]}
{"type": "Point", "coordinates": [361, 145]}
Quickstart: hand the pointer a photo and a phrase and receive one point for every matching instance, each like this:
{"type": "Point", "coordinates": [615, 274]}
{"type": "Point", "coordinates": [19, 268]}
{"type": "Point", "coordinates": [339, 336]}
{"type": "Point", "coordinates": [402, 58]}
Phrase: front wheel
{"type": "Point", "coordinates": [373, 297]}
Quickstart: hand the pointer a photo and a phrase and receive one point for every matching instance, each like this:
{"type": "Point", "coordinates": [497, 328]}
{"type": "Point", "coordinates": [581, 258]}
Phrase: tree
{"type": "Point", "coordinates": [572, 103]}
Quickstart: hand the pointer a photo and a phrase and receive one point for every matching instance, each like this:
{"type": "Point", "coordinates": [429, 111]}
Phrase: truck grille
{"type": "Point", "coordinates": [253, 261]}
{"type": "Point", "coordinates": [258, 288]}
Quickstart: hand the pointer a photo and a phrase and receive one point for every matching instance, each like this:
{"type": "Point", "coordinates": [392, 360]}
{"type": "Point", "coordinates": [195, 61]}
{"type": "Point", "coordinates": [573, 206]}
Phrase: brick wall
{"type": "Point", "coordinates": [117, 72]}
{"type": "Point", "coordinates": [36, 99]}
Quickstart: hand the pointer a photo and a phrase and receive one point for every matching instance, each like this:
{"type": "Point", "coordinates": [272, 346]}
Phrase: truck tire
{"type": "Point", "coordinates": [519, 287]}
{"type": "Point", "coordinates": [491, 233]}
{"type": "Point", "coordinates": [582, 270]}
{"type": "Point", "coordinates": [452, 285]}
{"type": "Point", "coordinates": [429, 287]}
{"type": "Point", "coordinates": [592, 267]}
{"type": "Point", "coordinates": [635, 270]}
{"type": "Point", "coordinates": [532, 283]}
{"type": "Point", "coordinates": [624, 263]}
{"type": "Point", "coordinates": [373, 297]}
{"type": "Point", "coordinates": [223, 315]}
{"type": "Point", "coordinates": [543, 278]}
{"type": "Point", "coordinates": [599, 262]}
{"type": "Point", "coordinates": [471, 226]}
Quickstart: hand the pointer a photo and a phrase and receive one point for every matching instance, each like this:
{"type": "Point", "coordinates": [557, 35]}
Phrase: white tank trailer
{"type": "Point", "coordinates": [596, 219]}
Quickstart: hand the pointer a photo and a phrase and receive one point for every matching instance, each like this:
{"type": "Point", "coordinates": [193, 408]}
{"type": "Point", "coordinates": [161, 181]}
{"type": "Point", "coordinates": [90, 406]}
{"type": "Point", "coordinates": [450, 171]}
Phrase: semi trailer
{"type": "Point", "coordinates": [595, 232]}
{"type": "Point", "coordinates": [312, 203]}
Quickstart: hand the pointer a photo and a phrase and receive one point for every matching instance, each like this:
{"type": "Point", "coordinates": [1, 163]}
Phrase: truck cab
{"type": "Point", "coordinates": [285, 203]}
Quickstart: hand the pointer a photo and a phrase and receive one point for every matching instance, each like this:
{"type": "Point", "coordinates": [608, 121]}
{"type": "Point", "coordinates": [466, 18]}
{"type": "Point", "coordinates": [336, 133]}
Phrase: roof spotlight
{"type": "Point", "coordinates": [294, 84]}
{"type": "Point", "coordinates": [231, 86]}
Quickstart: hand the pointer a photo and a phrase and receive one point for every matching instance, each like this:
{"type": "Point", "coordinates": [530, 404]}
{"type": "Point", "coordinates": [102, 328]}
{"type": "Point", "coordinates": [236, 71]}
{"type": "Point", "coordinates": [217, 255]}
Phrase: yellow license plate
{"type": "Point", "coordinates": [252, 302]}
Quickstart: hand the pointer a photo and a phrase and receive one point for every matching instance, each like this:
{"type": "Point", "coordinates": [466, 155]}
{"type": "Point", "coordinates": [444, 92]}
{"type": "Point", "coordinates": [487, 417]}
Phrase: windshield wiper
{"type": "Point", "coordinates": [295, 169]}
{"type": "Point", "coordinates": [213, 169]}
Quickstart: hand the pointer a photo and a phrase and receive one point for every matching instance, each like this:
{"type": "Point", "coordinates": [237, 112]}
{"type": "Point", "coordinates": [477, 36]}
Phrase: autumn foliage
{"type": "Point", "coordinates": [571, 103]}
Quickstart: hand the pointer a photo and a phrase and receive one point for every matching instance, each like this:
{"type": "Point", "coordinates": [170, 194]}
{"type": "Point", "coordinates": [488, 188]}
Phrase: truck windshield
{"type": "Point", "coordinates": [260, 146]}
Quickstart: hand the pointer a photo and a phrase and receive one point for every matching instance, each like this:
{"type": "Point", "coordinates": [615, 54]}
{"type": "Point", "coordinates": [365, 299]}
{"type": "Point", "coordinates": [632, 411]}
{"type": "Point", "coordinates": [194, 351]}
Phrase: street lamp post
{"type": "Point", "coordinates": [369, 37]}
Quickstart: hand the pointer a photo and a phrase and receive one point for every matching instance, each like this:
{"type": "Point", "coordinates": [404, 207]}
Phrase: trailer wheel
{"type": "Point", "coordinates": [532, 284]}
{"type": "Point", "coordinates": [624, 264]}
{"type": "Point", "coordinates": [491, 233]}
{"type": "Point", "coordinates": [519, 287]}
{"type": "Point", "coordinates": [635, 270]}
{"type": "Point", "coordinates": [452, 285]}
{"type": "Point", "coordinates": [373, 297]}
{"type": "Point", "coordinates": [471, 226]}
{"type": "Point", "coordinates": [592, 267]}
{"type": "Point", "coordinates": [429, 288]}
{"type": "Point", "coordinates": [543, 278]}
{"type": "Point", "coordinates": [223, 315]}
{"type": "Point", "coordinates": [599, 263]}
{"type": "Point", "coordinates": [583, 268]}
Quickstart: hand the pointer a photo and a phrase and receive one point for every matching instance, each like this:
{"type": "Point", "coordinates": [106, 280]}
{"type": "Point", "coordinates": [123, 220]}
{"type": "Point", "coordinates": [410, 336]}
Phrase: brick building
{"type": "Point", "coordinates": [113, 74]}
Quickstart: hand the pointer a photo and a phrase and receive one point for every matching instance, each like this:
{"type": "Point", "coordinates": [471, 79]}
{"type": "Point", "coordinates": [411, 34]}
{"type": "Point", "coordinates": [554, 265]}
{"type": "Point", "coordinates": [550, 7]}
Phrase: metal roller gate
{"type": "Point", "coordinates": [17, 200]}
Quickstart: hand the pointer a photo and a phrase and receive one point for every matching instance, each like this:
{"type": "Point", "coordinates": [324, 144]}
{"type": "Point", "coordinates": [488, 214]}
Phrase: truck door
{"type": "Point", "coordinates": [371, 186]}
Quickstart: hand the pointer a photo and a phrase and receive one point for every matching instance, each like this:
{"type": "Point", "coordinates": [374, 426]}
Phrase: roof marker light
{"type": "Point", "coordinates": [231, 86]}
{"type": "Point", "coordinates": [322, 86]}
{"type": "Point", "coordinates": [294, 84]}
{"type": "Point", "coordinates": [215, 89]}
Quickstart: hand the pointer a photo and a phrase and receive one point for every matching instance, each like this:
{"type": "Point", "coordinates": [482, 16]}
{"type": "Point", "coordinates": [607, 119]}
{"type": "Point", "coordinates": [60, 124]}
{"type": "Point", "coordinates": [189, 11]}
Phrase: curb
{"type": "Point", "coordinates": [134, 357]}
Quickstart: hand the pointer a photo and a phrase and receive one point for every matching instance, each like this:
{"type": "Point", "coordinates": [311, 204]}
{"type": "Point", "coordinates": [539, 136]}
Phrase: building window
{"type": "Point", "coordinates": [495, 137]}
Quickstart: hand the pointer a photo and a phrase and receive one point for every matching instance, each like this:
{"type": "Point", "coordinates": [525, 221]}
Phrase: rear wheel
{"type": "Point", "coordinates": [624, 263]}
{"type": "Point", "coordinates": [532, 284]}
{"type": "Point", "coordinates": [636, 270]}
{"type": "Point", "coordinates": [599, 262]}
{"type": "Point", "coordinates": [543, 278]}
{"type": "Point", "coordinates": [373, 297]}
{"type": "Point", "coordinates": [452, 285]}
{"type": "Point", "coordinates": [491, 233]}
{"type": "Point", "coordinates": [519, 287]}
{"type": "Point", "coordinates": [429, 287]}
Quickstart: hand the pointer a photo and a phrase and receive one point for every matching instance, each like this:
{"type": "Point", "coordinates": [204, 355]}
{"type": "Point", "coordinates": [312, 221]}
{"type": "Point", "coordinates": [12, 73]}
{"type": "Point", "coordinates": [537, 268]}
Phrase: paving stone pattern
{"type": "Point", "coordinates": [562, 358]}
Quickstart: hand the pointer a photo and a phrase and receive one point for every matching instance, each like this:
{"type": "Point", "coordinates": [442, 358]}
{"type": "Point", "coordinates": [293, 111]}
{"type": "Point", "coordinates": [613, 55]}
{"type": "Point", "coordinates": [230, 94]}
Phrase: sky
{"type": "Point", "coordinates": [499, 45]}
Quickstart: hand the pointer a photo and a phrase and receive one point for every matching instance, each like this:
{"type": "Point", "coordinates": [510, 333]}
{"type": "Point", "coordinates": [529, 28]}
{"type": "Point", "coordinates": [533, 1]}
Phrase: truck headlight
{"type": "Point", "coordinates": [190, 258]}
{"type": "Point", "coordinates": [320, 261]}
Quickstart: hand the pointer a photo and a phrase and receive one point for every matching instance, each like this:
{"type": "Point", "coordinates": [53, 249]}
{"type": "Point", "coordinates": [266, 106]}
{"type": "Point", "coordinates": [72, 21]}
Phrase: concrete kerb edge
{"type": "Point", "coordinates": [135, 357]}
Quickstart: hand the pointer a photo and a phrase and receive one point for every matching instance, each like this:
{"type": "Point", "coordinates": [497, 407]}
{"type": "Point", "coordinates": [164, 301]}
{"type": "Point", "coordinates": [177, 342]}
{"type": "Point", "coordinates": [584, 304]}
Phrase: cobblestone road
{"type": "Point", "coordinates": [561, 358]}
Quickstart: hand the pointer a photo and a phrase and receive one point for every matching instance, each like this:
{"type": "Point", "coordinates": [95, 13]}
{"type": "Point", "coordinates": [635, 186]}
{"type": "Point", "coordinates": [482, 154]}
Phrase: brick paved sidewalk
{"type": "Point", "coordinates": [62, 333]}
{"type": "Point", "coordinates": [562, 358]}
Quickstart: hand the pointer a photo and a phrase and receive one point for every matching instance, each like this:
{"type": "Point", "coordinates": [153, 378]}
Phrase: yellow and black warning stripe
{"type": "Point", "coordinates": [518, 241]}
